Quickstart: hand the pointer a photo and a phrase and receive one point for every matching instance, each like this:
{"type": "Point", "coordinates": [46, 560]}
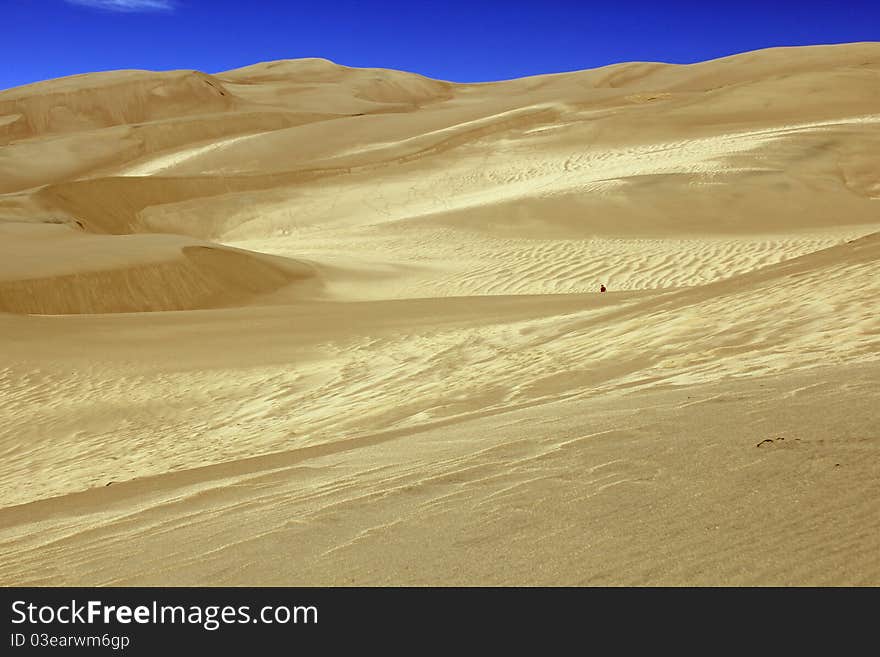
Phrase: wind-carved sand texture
{"type": "Point", "coordinates": [303, 324]}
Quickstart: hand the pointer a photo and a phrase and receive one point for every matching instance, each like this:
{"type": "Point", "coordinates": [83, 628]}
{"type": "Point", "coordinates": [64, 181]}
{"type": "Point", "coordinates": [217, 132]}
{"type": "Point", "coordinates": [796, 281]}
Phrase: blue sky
{"type": "Point", "coordinates": [460, 41]}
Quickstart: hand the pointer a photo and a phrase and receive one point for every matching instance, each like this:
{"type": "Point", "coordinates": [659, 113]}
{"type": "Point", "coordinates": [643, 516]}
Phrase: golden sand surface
{"type": "Point", "coordinates": [304, 324]}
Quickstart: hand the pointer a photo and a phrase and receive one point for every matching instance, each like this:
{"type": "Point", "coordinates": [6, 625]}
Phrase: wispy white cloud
{"type": "Point", "coordinates": [126, 5]}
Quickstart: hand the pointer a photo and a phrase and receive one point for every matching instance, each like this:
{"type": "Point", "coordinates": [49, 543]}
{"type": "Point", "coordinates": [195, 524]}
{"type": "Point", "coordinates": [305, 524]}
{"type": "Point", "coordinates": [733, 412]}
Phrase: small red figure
{"type": "Point", "coordinates": [601, 288]}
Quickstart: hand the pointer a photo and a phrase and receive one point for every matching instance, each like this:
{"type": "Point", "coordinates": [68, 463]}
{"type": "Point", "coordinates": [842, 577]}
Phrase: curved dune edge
{"type": "Point", "coordinates": [204, 277]}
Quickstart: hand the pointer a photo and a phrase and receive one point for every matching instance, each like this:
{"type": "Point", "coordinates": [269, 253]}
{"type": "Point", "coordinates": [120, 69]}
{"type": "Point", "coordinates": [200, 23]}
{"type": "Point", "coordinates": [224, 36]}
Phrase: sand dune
{"type": "Point", "coordinates": [57, 271]}
{"type": "Point", "coordinates": [300, 323]}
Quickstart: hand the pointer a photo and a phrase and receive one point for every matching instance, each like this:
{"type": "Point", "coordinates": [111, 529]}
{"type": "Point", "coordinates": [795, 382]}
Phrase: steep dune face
{"type": "Point", "coordinates": [27, 164]}
{"type": "Point", "coordinates": [362, 305]}
{"type": "Point", "coordinates": [100, 100]}
{"type": "Point", "coordinates": [56, 270]}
